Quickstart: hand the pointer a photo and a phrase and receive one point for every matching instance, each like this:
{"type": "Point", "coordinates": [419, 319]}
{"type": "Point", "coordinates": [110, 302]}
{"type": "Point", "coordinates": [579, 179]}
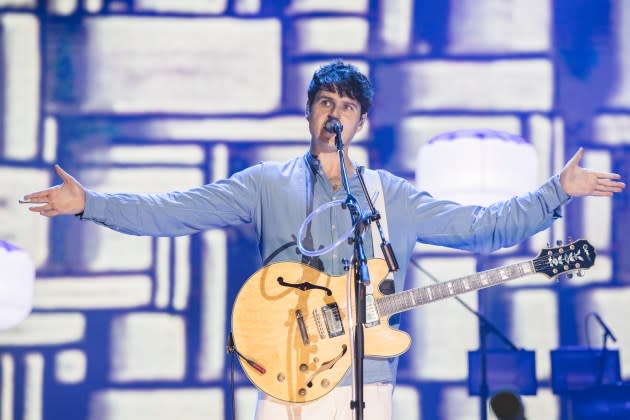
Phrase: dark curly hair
{"type": "Point", "coordinates": [343, 79]}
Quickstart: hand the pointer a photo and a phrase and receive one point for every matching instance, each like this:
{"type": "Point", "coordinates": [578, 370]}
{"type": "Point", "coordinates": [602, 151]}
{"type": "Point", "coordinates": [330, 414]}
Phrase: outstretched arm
{"type": "Point", "coordinates": [65, 198]}
{"type": "Point", "coordinates": [225, 202]}
{"type": "Point", "coordinates": [577, 181]}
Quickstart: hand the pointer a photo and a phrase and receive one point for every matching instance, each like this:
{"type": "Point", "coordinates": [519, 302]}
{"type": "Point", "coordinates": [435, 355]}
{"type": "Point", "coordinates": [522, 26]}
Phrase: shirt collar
{"type": "Point", "coordinates": [312, 161]}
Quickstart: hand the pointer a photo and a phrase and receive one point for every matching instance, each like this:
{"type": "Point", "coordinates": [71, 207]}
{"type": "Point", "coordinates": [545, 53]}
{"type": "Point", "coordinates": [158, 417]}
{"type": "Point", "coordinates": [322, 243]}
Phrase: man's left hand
{"type": "Point", "coordinates": [577, 181]}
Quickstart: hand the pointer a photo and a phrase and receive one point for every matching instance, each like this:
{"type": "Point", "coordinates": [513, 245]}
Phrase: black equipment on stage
{"type": "Point", "coordinates": [589, 381]}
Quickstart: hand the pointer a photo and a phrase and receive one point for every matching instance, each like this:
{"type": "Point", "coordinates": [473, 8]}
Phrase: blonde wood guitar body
{"type": "Point", "coordinates": [300, 338]}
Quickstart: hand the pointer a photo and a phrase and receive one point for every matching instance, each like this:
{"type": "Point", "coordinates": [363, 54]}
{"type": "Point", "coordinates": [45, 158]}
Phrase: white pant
{"type": "Point", "coordinates": [333, 406]}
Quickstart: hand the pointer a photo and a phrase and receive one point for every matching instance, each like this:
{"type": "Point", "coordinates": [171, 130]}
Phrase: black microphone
{"type": "Point", "coordinates": [333, 125]}
{"type": "Point", "coordinates": [605, 327]}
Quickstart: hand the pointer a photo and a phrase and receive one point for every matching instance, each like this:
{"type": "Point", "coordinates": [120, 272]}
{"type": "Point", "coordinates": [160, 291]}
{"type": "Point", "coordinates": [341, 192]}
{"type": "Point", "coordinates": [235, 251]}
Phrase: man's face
{"type": "Point", "coordinates": [327, 105]}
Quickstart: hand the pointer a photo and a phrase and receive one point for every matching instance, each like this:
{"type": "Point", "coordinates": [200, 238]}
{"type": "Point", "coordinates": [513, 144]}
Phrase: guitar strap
{"type": "Point", "coordinates": [374, 185]}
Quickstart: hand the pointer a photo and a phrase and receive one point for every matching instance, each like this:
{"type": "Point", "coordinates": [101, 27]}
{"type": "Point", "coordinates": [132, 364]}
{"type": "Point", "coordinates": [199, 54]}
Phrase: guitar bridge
{"type": "Point", "coordinates": [319, 323]}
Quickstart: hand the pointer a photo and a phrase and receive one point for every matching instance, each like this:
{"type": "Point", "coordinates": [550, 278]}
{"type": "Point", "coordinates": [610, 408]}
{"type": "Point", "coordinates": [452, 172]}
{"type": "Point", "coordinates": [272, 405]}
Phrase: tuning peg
{"type": "Point", "coordinates": [559, 242]}
{"type": "Point", "coordinates": [580, 273]}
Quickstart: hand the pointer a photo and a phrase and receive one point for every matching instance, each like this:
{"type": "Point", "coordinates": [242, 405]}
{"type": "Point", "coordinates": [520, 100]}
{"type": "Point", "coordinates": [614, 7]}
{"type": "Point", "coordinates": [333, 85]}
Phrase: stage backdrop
{"type": "Point", "coordinates": [154, 95]}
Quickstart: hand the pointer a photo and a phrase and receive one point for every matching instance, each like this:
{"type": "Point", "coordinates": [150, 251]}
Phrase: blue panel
{"type": "Point", "coordinates": [506, 370]}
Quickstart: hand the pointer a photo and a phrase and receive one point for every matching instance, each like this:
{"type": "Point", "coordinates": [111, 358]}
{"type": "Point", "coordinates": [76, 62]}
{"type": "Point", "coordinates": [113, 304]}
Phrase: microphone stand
{"type": "Point", "coordinates": [361, 278]}
{"type": "Point", "coordinates": [485, 328]}
{"type": "Point", "coordinates": [607, 333]}
{"type": "Point", "coordinates": [602, 360]}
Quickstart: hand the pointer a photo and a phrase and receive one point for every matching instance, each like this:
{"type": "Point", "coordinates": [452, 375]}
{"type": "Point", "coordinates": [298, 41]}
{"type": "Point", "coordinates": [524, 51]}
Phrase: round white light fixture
{"type": "Point", "coordinates": [17, 276]}
{"type": "Point", "coordinates": [476, 166]}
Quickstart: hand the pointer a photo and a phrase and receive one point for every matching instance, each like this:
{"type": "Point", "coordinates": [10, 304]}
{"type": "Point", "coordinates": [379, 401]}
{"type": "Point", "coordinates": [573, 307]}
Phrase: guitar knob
{"type": "Point", "coordinates": [570, 275]}
{"type": "Point", "coordinates": [302, 392]}
{"type": "Point", "coordinates": [580, 273]}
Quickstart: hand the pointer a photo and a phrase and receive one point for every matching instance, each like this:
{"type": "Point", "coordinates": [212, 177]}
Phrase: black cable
{"type": "Point", "coordinates": [386, 246]}
{"type": "Point", "coordinates": [231, 350]}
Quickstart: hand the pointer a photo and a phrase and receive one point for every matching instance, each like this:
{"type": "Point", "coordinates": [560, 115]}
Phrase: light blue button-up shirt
{"type": "Point", "coordinates": [277, 197]}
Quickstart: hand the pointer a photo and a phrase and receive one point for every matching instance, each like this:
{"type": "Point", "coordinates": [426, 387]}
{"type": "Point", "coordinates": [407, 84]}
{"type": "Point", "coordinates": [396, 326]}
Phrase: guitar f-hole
{"type": "Point", "coordinates": [304, 286]}
{"type": "Point", "coordinates": [327, 365]}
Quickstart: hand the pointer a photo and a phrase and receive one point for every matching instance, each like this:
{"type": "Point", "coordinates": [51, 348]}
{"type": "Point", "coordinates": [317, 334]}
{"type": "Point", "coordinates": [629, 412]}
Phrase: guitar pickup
{"type": "Point", "coordinates": [332, 319]}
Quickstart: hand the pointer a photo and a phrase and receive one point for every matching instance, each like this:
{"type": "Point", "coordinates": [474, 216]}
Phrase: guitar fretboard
{"type": "Point", "coordinates": [403, 301]}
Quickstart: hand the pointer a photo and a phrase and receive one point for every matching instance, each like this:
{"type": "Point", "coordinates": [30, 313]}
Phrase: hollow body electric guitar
{"type": "Point", "coordinates": [289, 320]}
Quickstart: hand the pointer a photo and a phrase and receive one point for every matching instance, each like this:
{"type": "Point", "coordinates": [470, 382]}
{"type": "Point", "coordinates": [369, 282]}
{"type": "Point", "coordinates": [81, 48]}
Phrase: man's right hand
{"type": "Point", "coordinates": [65, 198]}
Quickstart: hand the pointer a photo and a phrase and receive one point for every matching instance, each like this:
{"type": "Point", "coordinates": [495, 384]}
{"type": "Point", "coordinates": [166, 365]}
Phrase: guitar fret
{"type": "Point", "coordinates": [417, 296]}
{"type": "Point", "coordinates": [428, 297]}
{"type": "Point", "coordinates": [448, 288]}
{"type": "Point", "coordinates": [444, 290]}
{"type": "Point", "coordinates": [408, 301]}
{"type": "Point", "coordinates": [391, 301]}
{"type": "Point", "coordinates": [413, 300]}
{"type": "Point", "coordinates": [473, 281]}
{"type": "Point", "coordinates": [397, 303]}
{"type": "Point", "coordinates": [403, 301]}
{"type": "Point", "coordinates": [420, 295]}
{"type": "Point", "coordinates": [494, 277]}
{"type": "Point", "coordinates": [458, 286]}
{"type": "Point", "coordinates": [487, 278]}
{"type": "Point", "coordinates": [385, 304]}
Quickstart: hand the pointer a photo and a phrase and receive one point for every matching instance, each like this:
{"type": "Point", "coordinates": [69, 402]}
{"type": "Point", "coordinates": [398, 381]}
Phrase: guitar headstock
{"type": "Point", "coordinates": [576, 255]}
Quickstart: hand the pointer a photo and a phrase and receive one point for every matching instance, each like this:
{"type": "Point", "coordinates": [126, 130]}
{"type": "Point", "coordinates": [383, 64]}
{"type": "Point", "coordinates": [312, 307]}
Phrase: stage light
{"type": "Point", "coordinates": [476, 166]}
{"type": "Point", "coordinates": [17, 275]}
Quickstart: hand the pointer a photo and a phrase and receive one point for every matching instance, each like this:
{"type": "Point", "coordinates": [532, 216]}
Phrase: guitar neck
{"type": "Point", "coordinates": [409, 299]}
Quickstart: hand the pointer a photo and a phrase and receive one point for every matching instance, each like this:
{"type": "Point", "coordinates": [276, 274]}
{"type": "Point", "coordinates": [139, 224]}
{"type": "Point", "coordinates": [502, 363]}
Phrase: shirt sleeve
{"type": "Point", "coordinates": [227, 202]}
{"type": "Point", "coordinates": [485, 229]}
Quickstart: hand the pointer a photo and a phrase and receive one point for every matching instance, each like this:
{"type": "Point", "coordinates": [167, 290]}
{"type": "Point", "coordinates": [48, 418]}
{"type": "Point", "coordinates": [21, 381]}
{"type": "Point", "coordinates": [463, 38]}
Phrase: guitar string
{"type": "Point", "coordinates": [401, 301]}
{"type": "Point", "coordinates": [439, 291]}
{"type": "Point", "coordinates": [397, 303]}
